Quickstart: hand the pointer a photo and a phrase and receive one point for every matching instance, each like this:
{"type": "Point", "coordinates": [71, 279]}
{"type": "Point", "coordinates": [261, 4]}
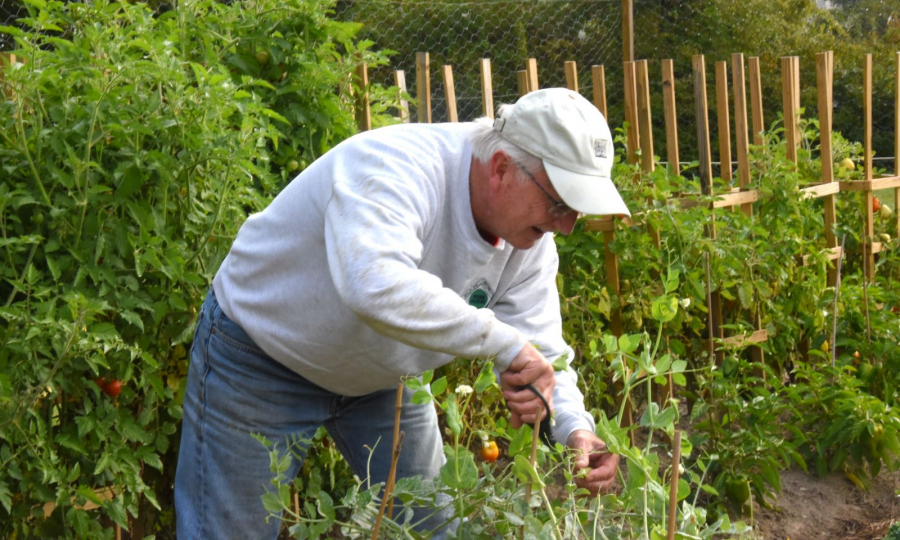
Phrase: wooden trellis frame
{"type": "Point", "coordinates": [639, 147]}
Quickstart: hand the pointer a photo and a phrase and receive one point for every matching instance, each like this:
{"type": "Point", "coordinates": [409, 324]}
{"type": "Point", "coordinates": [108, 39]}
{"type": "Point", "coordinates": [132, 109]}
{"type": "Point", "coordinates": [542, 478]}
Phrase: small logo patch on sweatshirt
{"type": "Point", "coordinates": [479, 294]}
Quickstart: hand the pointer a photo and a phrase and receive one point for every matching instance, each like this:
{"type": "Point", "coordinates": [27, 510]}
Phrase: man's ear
{"type": "Point", "coordinates": [498, 166]}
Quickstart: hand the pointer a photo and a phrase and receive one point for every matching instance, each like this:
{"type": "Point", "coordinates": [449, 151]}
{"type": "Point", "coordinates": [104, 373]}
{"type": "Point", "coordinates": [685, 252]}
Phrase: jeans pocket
{"type": "Point", "coordinates": [234, 336]}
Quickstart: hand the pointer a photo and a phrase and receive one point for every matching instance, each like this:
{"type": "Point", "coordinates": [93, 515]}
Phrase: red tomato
{"type": "Point", "coordinates": [113, 388]}
{"type": "Point", "coordinates": [876, 204]}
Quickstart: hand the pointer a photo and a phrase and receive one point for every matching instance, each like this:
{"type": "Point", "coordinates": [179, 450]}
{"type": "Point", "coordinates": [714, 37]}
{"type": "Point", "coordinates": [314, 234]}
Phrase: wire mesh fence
{"type": "Point", "coordinates": [10, 12]}
{"type": "Point", "coordinates": [506, 31]}
{"type": "Point", "coordinates": [589, 32]}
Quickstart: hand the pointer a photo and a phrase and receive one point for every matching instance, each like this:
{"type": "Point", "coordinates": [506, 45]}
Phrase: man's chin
{"type": "Point", "coordinates": [522, 243]}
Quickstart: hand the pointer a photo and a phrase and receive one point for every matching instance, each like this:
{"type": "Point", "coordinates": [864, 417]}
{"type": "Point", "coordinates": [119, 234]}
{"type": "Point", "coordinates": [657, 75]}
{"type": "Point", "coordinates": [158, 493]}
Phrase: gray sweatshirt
{"type": "Point", "coordinates": [368, 267]}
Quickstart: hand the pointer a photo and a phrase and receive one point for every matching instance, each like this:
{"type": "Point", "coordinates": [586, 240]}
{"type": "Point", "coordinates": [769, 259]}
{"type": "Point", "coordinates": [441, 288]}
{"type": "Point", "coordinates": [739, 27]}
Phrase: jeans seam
{"type": "Point", "coordinates": [202, 438]}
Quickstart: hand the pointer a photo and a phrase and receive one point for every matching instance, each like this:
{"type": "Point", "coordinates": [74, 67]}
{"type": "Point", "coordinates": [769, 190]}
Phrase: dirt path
{"type": "Point", "coordinates": [831, 508]}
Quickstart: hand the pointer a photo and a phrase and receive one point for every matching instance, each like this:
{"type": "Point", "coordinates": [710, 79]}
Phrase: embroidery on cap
{"type": "Point", "coordinates": [600, 148]}
{"type": "Point", "coordinates": [479, 294]}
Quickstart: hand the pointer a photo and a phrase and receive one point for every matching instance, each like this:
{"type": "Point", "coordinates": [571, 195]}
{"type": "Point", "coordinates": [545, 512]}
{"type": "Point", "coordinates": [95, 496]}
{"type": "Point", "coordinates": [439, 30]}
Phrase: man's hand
{"type": "Point", "coordinates": [591, 454]}
{"type": "Point", "coordinates": [528, 367]}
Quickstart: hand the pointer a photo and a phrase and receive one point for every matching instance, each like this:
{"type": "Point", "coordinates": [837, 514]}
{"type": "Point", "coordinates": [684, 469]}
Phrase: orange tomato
{"type": "Point", "coordinates": [876, 204]}
{"type": "Point", "coordinates": [489, 451]}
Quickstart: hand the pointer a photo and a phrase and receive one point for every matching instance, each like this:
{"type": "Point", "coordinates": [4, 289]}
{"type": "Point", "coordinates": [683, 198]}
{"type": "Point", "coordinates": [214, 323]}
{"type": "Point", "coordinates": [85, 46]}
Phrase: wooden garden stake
{"type": "Point", "coordinates": [450, 92]}
{"type": "Point", "coordinates": [673, 488]}
{"type": "Point", "coordinates": [400, 83]}
{"type": "Point", "coordinates": [789, 100]}
{"type": "Point", "coordinates": [837, 289]}
{"type": "Point", "coordinates": [612, 273]}
{"type": "Point", "coordinates": [671, 117]}
{"type": "Point", "coordinates": [598, 80]}
{"type": "Point", "coordinates": [571, 75]}
{"type": "Point", "coordinates": [709, 309]}
{"type": "Point", "coordinates": [522, 82]}
{"type": "Point", "coordinates": [632, 139]}
{"type": "Point", "coordinates": [615, 319]}
{"type": "Point", "coordinates": [363, 112]}
{"type": "Point", "coordinates": [531, 69]}
{"type": "Point", "coordinates": [742, 147]}
{"type": "Point", "coordinates": [645, 127]}
{"type": "Point", "coordinates": [628, 30]}
{"type": "Point", "coordinates": [897, 139]}
{"type": "Point", "coordinates": [824, 80]}
{"type": "Point", "coordinates": [865, 283]}
{"type": "Point", "coordinates": [724, 122]}
{"type": "Point", "coordinates": [699, 72]}
{"type": "Point", "coordinates": [756, 105]}
{"type": "Point", "coordinates": [423, 88]}
{"type": "Point", "coordinates": [741, 140]}
{"type": "Point", "coordinates": [395, 456]}
{"type": "Point", "coordinates": [487, 89]}
{"type": "Point", "coordinates": [869, 232]}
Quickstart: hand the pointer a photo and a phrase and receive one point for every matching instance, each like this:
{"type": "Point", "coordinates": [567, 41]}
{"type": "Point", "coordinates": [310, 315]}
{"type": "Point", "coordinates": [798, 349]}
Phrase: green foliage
{"type": "Point", "coordinates": [893, 533]}
{"type": "Point", "coordinates": [491, 497]}
{"type": "Point", "coordinates": [135, 145]}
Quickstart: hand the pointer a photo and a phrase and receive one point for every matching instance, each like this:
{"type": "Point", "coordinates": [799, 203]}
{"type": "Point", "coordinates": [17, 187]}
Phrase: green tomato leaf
{"type": "Point", "coordinates": [745, 293]}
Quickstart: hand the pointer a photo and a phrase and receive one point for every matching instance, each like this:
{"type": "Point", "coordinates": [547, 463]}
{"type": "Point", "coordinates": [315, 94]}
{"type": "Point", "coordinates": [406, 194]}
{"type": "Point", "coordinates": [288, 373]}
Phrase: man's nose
{"type": "Point", "coordinates": [565, 224]}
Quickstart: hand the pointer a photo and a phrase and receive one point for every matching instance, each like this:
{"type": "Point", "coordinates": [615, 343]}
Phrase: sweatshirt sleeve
{"type": "Point", "coordinates": [532, 306]}
{"type": "Point", "coordinates": [374, 231]}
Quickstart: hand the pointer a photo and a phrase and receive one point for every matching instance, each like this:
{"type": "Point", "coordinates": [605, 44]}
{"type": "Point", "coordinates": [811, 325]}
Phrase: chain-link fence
{"type": "Point", "coordinates": [10, 11]}
{"type": "Point", "coordinates": [589, 32]}
{"type": "Point", "coordinates": [506, 31]}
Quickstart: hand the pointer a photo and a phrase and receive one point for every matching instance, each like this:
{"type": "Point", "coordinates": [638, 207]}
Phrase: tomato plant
{"type": "Point", "coordinates": [162, 137]}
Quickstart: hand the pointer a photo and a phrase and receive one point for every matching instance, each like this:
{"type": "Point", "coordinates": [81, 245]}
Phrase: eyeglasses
{"type": "Point", "coordinates": [557, 209]}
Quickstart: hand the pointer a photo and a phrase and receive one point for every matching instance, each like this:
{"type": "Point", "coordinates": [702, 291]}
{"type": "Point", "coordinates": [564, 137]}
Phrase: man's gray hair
{"type": "Point", "coordinates": [486, 142]}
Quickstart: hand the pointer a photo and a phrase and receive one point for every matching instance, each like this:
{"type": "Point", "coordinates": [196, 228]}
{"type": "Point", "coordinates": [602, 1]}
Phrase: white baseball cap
{"type": "Point", "coordinates": [572, 138]}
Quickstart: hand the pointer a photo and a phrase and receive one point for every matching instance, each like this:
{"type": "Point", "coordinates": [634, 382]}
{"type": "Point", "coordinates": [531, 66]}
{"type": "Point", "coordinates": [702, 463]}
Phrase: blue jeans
{"type": "Point", "coordinates": [235, 390]}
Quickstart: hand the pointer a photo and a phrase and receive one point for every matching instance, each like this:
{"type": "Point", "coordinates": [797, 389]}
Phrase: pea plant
{"type": "Point", "coordinates": [512, 496]}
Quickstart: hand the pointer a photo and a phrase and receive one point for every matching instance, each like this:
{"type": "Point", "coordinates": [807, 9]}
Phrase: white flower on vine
{"type": "Point", "coordinates": [463, 389]}
{"type": "Point", "coordinates": [685, 302]}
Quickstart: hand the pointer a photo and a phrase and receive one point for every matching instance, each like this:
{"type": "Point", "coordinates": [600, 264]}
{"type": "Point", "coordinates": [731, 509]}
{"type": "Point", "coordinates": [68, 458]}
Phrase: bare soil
{"type": "Point", "coordinates": [831, 508]}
